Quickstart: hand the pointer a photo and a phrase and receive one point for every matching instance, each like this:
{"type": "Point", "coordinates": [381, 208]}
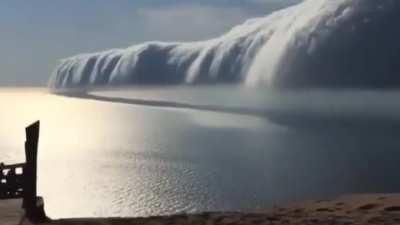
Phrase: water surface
{"type": "Point", "coordinates": [103, 158]}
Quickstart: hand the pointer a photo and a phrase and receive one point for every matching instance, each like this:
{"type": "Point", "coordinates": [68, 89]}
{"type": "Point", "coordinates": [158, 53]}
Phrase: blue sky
{"type": "Point", "coordinates": [36, 34]}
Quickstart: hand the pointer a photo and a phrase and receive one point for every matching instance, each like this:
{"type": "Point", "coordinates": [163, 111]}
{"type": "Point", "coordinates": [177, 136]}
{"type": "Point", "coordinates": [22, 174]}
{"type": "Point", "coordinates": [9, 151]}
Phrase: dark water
{"type": "Point", "coordinates": [100, 158]}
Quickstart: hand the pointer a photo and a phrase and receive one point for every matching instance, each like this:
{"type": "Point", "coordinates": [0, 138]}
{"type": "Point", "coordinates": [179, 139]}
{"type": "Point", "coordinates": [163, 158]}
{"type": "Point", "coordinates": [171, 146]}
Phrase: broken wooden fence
{"type": "Point", "coordinates": [20, 180]}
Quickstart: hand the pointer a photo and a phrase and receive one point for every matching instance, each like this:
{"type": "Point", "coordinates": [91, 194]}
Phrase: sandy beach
{"type": "Point", "coordinates": [373, 209]}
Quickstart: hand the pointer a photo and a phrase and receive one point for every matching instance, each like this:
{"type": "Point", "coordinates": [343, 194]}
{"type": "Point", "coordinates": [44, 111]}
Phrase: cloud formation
{"type": "Point", "coordinates": [315, 43]}
{"type": "Point", "coordinates": [37, 33]}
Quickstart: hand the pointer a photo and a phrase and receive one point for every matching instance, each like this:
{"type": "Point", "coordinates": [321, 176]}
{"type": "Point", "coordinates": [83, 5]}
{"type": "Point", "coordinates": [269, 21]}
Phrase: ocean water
{"type": "Point", "coordinates": [138, 152]}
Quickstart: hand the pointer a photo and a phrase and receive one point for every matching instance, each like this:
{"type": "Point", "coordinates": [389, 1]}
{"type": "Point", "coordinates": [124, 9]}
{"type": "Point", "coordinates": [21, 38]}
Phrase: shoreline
{"type": "Point", "coordinates": [344, 210]}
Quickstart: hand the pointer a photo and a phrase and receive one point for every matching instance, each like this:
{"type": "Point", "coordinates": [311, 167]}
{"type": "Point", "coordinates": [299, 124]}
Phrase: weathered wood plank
{"type": "Point", "coordinates": [30, 173]}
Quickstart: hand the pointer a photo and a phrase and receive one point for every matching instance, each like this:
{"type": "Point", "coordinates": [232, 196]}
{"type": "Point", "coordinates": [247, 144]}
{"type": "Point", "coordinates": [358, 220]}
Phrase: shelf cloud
{"type": "Point", "coordinates": [316, 43]}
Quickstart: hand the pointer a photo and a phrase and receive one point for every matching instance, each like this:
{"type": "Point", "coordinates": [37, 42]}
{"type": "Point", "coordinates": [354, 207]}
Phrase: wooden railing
{"type": "Point", "coordinates": [11, 181]}
{"type": "Point", "coordinates": [20, 180]}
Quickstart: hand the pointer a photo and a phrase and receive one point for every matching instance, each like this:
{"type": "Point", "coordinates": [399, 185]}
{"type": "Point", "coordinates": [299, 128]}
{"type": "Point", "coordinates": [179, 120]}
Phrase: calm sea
{"type": "Point", "coordinates": [140, 153]}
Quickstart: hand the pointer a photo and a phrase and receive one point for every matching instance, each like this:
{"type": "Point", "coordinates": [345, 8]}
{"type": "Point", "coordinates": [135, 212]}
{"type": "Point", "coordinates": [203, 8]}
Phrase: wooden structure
{"type": "Point", "coordinates": [20, 180]}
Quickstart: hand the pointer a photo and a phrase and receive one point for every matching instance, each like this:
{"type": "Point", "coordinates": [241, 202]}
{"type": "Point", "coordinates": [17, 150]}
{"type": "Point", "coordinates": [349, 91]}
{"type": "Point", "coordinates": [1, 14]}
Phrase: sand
{"type": "Point", "coordinates": [373, 209]}
{"type": "Point", "coordinates": [10, 212]}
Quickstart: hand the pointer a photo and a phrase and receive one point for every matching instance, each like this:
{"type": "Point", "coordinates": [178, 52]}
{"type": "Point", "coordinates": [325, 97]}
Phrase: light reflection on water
{"type": "Point", "coordinates": [101, 159]}
{"type": "Point", "coordinates": [108, 159]}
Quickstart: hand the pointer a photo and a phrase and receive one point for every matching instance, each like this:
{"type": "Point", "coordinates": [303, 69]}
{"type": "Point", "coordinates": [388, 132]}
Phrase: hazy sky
{"type": "Point", "coordinates": [35, 34]}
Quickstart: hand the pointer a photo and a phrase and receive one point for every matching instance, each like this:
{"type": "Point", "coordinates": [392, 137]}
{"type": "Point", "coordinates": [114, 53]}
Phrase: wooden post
{"type": "Point", "coordinates": [30, 170]}
{"type": "Point", "coordinates": [34, 205]}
